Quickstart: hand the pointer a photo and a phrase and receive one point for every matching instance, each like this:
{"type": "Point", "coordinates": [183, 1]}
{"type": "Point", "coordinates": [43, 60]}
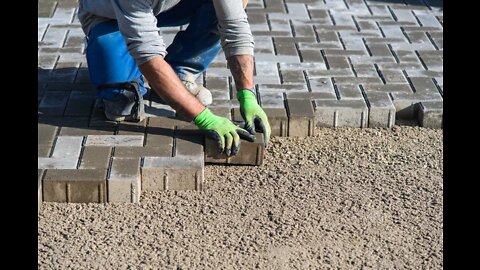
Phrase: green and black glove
{"type": "Point", "coordinates": [253, 114]}
{"type": "Point", "coordinates": [223, 131]}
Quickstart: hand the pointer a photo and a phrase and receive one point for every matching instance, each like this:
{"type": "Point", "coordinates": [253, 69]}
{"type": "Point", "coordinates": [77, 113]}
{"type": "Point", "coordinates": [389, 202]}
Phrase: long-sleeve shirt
{"type": "Point", "coordinates": [137, 23]}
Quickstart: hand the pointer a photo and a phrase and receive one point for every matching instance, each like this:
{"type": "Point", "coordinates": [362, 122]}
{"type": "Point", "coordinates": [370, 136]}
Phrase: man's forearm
{"type": "Point", "coordinates": [241, 67]}
{"type": "Point", "coordinates": [168, 86]}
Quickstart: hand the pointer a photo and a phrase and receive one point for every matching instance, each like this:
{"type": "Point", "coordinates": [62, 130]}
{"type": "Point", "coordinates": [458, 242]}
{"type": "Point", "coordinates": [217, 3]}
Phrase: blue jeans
{"type": "Point", "coordinates": [190, 53]}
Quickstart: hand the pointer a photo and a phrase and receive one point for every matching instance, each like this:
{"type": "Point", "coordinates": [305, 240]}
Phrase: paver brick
{"type": "Point", "coordinates": [95, 157]}
{"type": "Point", "coordinates": [341, 113]}
{"type": "Point", "coordinates": [381, 110]}
{"type": "Point", "coordinates": [430, 114]}
{"type": "Point", "coordinates": [250, 153]}
{"type": "Point", "coordinates": [173, 173]}
{"type": "Point", "coordinates": [39, 191]}
{"type": "Point", "coordinates": [115, 140]}
{"type": "Point", "coordinates": [124, 181]}
{"type": "Point", "coordinates": [301, 118]}
{"type": "Point", "coordinates": [162, 150]}
{"type": "Point", "coordinates": [77, 186]}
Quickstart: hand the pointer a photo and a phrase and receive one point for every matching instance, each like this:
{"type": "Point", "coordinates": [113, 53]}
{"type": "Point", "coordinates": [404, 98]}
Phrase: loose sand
{"type": "Point", "coordinates": [344, 199]}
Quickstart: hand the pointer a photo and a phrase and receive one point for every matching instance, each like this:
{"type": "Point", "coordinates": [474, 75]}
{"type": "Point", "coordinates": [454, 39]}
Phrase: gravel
{"type": "Point", "coordinates": [344, 199]}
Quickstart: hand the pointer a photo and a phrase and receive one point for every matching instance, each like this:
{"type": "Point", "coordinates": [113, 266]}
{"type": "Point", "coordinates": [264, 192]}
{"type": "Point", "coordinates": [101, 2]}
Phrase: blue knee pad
{"type": "Point", "coordinates": [109, 61]}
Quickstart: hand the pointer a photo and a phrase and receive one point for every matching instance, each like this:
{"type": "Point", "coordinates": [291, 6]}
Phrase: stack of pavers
{"type": "Point", "coordinates": [324, 63]}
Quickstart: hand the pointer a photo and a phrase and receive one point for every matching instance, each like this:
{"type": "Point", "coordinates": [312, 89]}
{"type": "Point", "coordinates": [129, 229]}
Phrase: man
{"type": "Point", "coordinates": [124, 41]}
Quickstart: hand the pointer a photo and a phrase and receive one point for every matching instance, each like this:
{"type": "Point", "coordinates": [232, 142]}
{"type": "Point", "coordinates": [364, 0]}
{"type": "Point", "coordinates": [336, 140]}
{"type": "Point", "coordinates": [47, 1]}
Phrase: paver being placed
{"type": "Point", "coordinates": [250, 153]}
{"type": "Point", "coordinates": [430, 114]}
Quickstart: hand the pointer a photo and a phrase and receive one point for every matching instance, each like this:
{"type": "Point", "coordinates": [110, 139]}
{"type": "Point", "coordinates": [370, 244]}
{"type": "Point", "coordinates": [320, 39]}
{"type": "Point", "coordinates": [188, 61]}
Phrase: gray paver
{"type": "Point", "coordinates": [301, 118]}
{"type": "Point", "coordinates": [250, 153]}
{"type": "Point", "coordinates": [77, 186]}
{"type": "Point", "coordinates": [173, 173]}
{"type": "Point", "coordinates": [124, 181]}
{"type": "Point", "coordinates": [341, 113]}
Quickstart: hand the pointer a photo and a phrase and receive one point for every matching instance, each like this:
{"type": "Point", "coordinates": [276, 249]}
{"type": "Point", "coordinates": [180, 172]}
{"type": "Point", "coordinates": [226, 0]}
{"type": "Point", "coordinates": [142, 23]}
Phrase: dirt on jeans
{"type": "Point", "coordinates": [344, 199]}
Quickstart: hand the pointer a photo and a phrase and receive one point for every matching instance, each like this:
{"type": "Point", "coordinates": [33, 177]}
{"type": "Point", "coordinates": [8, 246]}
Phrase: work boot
{"type": "Point", "coordinates": [120, 108]}
{"type": "Point", "coordinates": [201, 93]}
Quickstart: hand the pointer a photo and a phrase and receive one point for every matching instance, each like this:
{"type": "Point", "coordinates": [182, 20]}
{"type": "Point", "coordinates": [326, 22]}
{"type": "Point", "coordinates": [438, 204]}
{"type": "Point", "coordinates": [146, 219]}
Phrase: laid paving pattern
{"type": "Point", "coordinates": [327, 63]}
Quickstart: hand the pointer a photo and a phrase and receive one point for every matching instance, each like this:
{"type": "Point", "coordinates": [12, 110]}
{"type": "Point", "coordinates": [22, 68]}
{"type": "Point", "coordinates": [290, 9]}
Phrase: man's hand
{"type": "Point", "coordinates": [253, 114]}
{"type": "Point", "coordinates": [223, 131]}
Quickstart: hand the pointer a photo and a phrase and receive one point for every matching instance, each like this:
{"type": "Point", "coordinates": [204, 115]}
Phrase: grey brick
{"type": "Point", "coordinates": [381, 110]}
{"type": "Point", "coordinates": [311, 95]}
{"type": "Point", "coordinates": [250, 153]}
{"type": "Point", "coordinates": [80, 103]}
{"type": "Point", "coordinates": [322, 85]}
{"type": "Point", "coordinates": [341, 113]}
{"type": "Point", "coordinates": [349, 92]}
{"type": "Point", "coordinates": [271, 100]}
{"type": "Point", "coordinates": [44, 150]}
{"type": "Point", "coordinates": [162, 150]}
{"type": "Point", "coordinates": [275, 88]}
{"type": "Point", "coordinates": [302, 66]}
{"type": "Point", "coordinates": [115, 140]}
{"type": "Point", "coordinates": [430, 114]}
{"type": "Point", "coordinates": [405, 103]}
{"type": "Point", "coordinates": [46, 134]}
{"type": "Point", "coordinates": [53, 103]}
{"type": "Point", "coordinates": [189, 145]}
{"type": "Point", "coordinates": [393, 76]}
{"type": "Point", "coordinates": [314, 74]}
{"type": "Point", "coordinates": [173, 173]}
{"type": "Point", "coordinates": [124, 181]}
{"type": "Point", "coordinates": [422, 84]}
{"type": "Point", "coordinates": [388, 88]}
{"type": "Point", "coordinates": [301, 118]}
{"type": "Point", "coordinates": [57, 163]}
{"type": "Point", "coordinates": [39, 190]}
{"type": "Point", "coordinates": [132, 128]}
{"type": "Point", "coordinates": [77, 186]}
{"type": "Point", "coordinates": [357, 80]}
{"type": "Point", "coordinates": [310, 56]}
{"type": "Point", "coordinates": [429, 20]}
{"type": "Point", "coordinates": [219, 83]}
{"type": "Point", "coordinates": [337, 62]}
{"type": "Point", "coordinates": [292, 77]}
{"type": "Point", "coordinates": [95, 157]}
{"type": "Point", "coordinates": [67, 147]}
{"type": "Point", "coordinates": [225, 112]}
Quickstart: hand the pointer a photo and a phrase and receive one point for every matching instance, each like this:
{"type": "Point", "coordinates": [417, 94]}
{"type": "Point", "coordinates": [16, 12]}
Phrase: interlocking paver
{"type": "Point", "coordinates": [430, 114]}
{"type": "Point", "coordinates": [124, 181]}
{"type": "Point", "coordinates": [173, 173]}
{"type": "Point", "coordinates": [77, 186]}
{"type": "Point", "coordinates": [301, 118]}
{"type": "Point", "coordinates": [250, 153]}
{"type": "Point", "coordinates": [341, 113]}
{"type": "Point", "coordinates": [95, 157]}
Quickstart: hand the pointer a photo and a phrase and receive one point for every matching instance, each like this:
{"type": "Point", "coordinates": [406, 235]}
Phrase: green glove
{"type": "Point", "coordinates": [253, 114]}
{"type": "Point", "coordinates": [223, 131]}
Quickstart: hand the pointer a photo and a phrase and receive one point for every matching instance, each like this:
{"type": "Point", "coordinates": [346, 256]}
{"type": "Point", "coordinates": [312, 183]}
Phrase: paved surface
{"type": "Point", "coordinates": [343, 199]}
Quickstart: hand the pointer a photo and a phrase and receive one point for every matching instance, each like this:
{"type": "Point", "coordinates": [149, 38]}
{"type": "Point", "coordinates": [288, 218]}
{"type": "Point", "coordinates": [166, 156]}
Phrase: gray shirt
{"type": "Point", "coordinates": [138, 24]}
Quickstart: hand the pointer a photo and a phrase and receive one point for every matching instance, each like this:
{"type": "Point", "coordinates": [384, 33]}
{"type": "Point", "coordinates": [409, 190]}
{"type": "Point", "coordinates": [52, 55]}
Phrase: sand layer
{"type": "Point", "coordinates": [344, 199]}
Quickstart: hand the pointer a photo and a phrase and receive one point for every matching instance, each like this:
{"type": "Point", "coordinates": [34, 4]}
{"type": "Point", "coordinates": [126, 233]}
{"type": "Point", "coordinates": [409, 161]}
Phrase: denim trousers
{"type": "Point", "coordinates": [190, 53]}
